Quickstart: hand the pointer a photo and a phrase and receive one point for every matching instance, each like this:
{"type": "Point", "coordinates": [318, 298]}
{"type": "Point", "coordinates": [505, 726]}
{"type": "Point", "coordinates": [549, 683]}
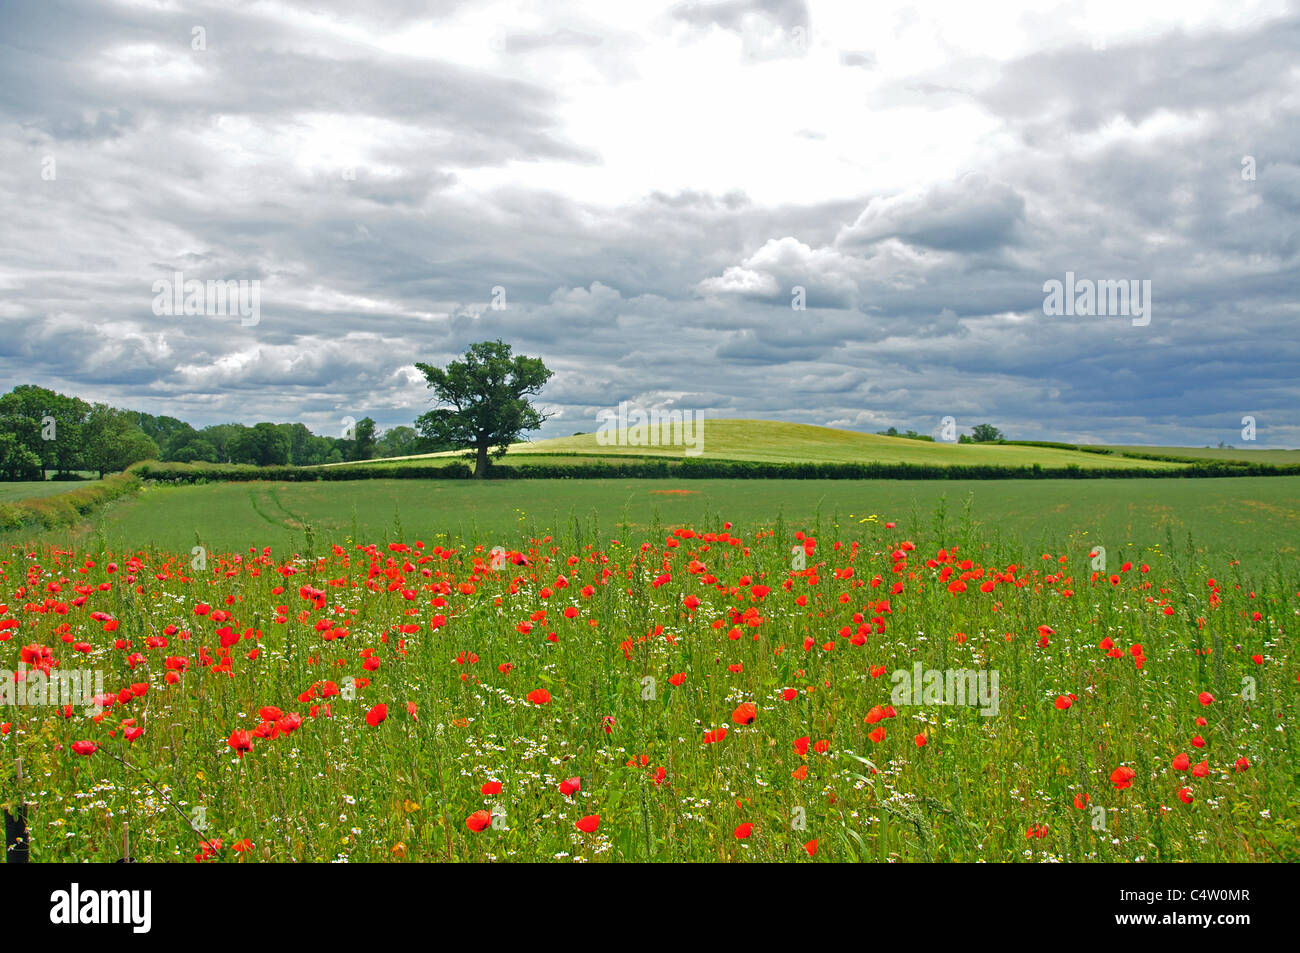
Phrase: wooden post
{"type": "Point", "coordinates": [126, 844]}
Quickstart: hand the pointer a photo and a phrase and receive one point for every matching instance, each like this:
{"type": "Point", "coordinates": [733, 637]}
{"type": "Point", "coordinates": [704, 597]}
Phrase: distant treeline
{"type": "Point", "coordinates": [43, 432]}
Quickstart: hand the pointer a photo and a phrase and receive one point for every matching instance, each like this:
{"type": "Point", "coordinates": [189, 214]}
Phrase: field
{"type": "Point", "coordinates": [26, 491]}
{"type": "Point", "coordinates": [1278, 457]}
{"type": "Point", "coordinates": [767, 441]}
{"type": "Point", "coordinates": [1255, 519]}
{"type": "Point", "coordinates": [665, 671]}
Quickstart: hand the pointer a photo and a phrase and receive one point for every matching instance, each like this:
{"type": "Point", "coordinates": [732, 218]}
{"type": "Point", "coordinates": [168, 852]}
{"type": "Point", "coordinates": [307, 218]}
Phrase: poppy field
{"type": "Point", "coordinates": [880, 688]}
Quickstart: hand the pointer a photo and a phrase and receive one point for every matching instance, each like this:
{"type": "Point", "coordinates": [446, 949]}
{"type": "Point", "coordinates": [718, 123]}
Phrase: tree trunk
{"type": "Point", "coordinates": [481, 464]}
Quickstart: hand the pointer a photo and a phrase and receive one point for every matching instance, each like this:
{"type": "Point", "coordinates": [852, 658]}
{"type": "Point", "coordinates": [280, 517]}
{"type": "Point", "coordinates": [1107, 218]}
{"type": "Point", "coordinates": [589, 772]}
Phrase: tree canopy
{"type": "Point", "coordinates": [487, 396]}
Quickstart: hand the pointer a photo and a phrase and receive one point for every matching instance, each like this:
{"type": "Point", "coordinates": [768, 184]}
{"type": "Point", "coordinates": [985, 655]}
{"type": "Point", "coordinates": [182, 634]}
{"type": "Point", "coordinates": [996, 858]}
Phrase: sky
{"type": "Point", "coordinates": [842, 214]}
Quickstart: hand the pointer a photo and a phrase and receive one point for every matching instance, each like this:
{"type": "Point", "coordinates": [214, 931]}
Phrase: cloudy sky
{"type": "Point", "coordinates": [645, 184]}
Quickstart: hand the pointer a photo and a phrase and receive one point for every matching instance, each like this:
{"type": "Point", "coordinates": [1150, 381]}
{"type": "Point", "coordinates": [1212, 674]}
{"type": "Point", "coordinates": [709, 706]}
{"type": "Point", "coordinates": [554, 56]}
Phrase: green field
{"type": "Point", "coordinates": [768, 441]}
{"type": "Point", "coordinates": [1275, 457]}
{"type": "Point", "coordinates": [652, 692]}
{"type": "Point", "coordinates": [1252, 518]}
{"type": "Point", "coordinates": [10, 492]}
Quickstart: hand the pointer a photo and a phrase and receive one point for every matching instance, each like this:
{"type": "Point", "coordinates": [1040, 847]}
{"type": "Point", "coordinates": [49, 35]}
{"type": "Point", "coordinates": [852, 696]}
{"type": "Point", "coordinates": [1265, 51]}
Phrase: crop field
{"type": "Point", "coordinates": [1254, 519]}
{"type": "Point", "coordinates": [767, 441]}
{"type": "Point", "coordinates": [624, 670]}
{"type": "Point", "coordinates": [1277, 457]}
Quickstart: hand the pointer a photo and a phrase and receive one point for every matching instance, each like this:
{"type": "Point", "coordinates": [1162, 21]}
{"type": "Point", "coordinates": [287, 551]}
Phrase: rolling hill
{"type": "Point", "coordinates": [767, 441]}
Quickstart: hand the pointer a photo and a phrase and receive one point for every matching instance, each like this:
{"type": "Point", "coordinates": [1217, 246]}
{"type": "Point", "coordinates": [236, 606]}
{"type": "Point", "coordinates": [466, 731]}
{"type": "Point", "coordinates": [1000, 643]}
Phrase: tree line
{"type": "Point", "coordinates": [45, 434]}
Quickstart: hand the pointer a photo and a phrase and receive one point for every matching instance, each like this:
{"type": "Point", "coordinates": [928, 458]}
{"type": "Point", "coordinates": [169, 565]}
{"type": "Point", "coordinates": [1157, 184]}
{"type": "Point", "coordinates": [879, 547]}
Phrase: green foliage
{"type": "Point", "coordinates": [263, 445]}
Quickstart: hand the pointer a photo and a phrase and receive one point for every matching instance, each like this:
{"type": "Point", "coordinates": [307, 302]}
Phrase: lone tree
{"type": "Point", "coordinates": [488, 393]}
{"type": "Point", "coordinates": [985, 433]}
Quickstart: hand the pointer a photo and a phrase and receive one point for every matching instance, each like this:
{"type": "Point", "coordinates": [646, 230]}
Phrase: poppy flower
{"type": "Point", "coordinates": [745, 713]}
{"type": "Point", "coordinates": [539, 696]}
{"type": "Point", "coordinates": [811, 847]}
{"type": "Point", "coordinates": [570, 786]}
{"type": "Point", "coordinates": [376, 715]}
{"type": "Point", "coordinates": [84, 747]}
{"type": "Point", "coordinates": [744, 830]}
{"type": "Point", "coordinates": [490, 788]}
{"type": "Point", "coordinates": [1123, 777]}
{"type": "Point", "coordinates": [241, 741]}
{"type": "Point", "coordinates": [588, 824]}
{"type": "Point", "coordinates": [479, 821]}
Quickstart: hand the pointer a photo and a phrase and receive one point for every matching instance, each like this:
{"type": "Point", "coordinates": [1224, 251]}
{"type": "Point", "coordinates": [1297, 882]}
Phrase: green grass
{"type": "Point", "coordinates": [1246, 455]}
{"type": "Point", "coordinates": [12, 492]}
{"type": "Point", "coordinates": [775, 442]}
{"type": "Point", "coordinates": [1248, 517]}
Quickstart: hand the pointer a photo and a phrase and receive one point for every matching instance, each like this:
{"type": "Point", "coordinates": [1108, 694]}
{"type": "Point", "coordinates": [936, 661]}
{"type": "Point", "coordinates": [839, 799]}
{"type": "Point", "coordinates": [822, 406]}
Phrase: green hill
{"type": "Point", "coordinates": [768, 441]}
{"type": "Point", "coordinates": [1216, 454]}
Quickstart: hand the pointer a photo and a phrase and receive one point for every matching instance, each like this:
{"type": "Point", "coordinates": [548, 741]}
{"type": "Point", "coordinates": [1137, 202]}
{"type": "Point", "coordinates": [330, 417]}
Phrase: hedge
{"type": "Point", "coordinates": [66, 509]}
{"type": "Point", "coordinates": [690, 468]}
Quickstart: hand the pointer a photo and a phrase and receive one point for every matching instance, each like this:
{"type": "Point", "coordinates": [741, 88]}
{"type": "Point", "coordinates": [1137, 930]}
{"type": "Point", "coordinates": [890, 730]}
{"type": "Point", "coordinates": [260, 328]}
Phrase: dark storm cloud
{"type": "Point", "coordinates": [972, 214]}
